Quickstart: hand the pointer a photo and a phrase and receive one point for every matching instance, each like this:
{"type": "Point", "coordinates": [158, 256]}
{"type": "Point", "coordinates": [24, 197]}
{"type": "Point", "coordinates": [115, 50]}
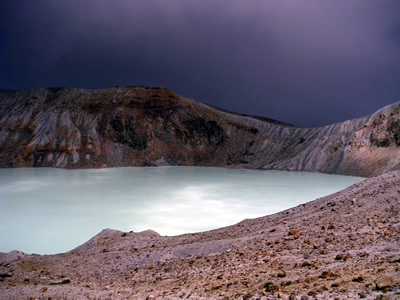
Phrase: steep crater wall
{"type": "Point", "coordinates": [138, 126]}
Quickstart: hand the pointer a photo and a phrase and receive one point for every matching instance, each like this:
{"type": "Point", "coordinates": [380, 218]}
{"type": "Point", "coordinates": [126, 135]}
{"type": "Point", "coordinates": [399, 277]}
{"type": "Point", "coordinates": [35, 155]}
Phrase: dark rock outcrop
{"type": "Point", "coordinates": [138, 126]}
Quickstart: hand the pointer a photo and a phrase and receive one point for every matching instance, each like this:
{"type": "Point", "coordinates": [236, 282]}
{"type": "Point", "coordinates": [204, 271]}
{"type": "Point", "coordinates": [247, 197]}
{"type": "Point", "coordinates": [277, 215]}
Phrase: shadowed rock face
{"type": "Point", "coordinates": [137, 126]}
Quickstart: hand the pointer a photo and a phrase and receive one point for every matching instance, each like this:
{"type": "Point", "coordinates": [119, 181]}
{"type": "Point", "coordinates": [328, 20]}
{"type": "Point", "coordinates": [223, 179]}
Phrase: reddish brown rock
{"type": "Point", "coordinates": [306, 264]}
{"type": "Point", "coordinates": [294, 232]}
{"type": "Point", "coordinates": [384, 282]}
{"type": "Point", "coordinates": [326, 274]}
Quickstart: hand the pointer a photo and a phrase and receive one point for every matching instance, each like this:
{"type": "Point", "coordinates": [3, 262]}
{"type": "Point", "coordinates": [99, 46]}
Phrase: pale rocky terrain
{"type": "Point", "coordinates": [343, 246]}
{"type": "Point", "coordinates": [138, 126]}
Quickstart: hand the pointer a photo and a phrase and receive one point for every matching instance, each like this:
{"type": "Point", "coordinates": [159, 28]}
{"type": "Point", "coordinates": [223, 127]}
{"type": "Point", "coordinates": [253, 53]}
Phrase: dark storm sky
{"type": "Point", "coordinates": [308, 62]}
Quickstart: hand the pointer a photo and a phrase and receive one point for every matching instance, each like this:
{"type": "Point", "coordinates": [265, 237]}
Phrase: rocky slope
{"type": "Point", "coordinates": [137, 126]}
{"type": "Point", "coordinates": [343, 246]}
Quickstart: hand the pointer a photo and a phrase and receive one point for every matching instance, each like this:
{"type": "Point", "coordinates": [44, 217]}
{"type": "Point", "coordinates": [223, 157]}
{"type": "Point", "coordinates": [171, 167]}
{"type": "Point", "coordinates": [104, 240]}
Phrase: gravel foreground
{"type": "Point", "coordinates": [343, 246]}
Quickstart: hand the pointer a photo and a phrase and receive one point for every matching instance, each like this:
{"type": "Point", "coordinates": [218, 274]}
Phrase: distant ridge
{"type": "Point", "coordinates": [265, 119]}
{"type": "Point", "coordinates": [140, 126]}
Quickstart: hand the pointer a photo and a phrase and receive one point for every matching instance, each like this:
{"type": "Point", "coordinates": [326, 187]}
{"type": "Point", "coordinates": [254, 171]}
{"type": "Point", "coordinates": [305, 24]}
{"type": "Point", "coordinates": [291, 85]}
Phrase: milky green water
{"type": "Point", "coordinates": [45, 211]}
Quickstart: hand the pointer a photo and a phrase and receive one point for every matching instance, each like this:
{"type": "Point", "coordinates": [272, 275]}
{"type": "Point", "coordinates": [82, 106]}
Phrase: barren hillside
{"type": "Point", "coordinates": [137, 126]}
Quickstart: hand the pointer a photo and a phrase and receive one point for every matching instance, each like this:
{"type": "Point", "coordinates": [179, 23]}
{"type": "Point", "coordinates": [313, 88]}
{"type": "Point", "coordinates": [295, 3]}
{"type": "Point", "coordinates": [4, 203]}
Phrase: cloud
{"type": "Point", "coordinates": [310, 62]}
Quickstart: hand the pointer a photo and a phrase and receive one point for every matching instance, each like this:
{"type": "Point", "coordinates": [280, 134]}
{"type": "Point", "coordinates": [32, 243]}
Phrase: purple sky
{"type": "Point", "coordinates": [308, 62]}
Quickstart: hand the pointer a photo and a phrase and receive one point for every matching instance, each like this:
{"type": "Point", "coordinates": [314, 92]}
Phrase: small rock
{"type": "Point", "coordinates": [247, 295]}
{"type": "Point", "coordinates": [325, 274]}
{"type": "Point", "coordinates": [294, 232]}
{"type": "Point", "coordinates": [306, 264]}
{"type": "Point", "coordinates": [150, 297]}
{"type": "Point", "coordinates": [309, 279]}
{"type": "Point", "coordinates": [340, 257]}
{"type": "Point", "coordinates": [42, 290]}
{"type": "Point", "coordinates": [384, 282]}
{"type": "Point", "coordinates": [292, 297]}
{"type": "Point", "coordinates": [270, 287]}
{"type": "Point", "coordinates": [387, 232]}
{"type": "Point", "coordinates": [336, 284]}
{"type": "Point", "coordinates": [281, 274]}
{"type": "Point", "coordinates": [358, 279]}
{"type": "Point", "coordinates": [216, 285]}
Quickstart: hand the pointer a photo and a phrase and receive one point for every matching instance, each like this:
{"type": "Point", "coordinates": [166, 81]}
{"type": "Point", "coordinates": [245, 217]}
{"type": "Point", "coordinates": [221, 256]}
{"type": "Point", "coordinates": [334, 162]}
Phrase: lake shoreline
{"type": "Point", "coordinates": [344, 244]}
{"type": "Point", "coordinates": [69, 207]}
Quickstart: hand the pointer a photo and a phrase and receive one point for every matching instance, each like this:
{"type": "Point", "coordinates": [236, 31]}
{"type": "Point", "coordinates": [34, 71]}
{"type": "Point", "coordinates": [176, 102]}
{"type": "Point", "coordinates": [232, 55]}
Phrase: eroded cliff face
{"type": "Point", "coordinates": [126, 126]}
{"type": "Point", "coordinates": [137, 126]}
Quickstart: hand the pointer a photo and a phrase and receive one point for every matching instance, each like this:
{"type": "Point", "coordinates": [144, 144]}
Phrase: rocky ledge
{"type": "Point", "coordinates": [138, 126]}
{"type": "Point", "coordinates": [343, 246]}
